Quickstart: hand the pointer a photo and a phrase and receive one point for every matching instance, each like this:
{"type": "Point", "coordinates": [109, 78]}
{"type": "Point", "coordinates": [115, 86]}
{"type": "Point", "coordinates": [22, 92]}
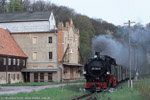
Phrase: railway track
{"type": "Point", "coordinates": [89, 96]}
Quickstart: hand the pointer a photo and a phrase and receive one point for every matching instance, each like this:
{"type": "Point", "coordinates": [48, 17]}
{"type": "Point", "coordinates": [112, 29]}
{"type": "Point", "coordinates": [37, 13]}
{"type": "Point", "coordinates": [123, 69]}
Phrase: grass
{"type": "Point", "coordinates": [59, 93]}
{"type": "Point", "coordinates": [122, 93]}
{"type": "Point", "coordinates": [138, 92]}
{"type": "Point", "coordinates": [67, 92]}
{"type": "Point", "coordinates": [142, 80]}
{"type": "Point", "coordinates": [144, 90]}
{"type": "Point", "coordinates": [41, 83]}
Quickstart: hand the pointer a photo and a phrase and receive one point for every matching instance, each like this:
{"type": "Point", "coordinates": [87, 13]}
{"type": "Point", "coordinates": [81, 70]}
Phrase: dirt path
{"type": "Point", "coordinates": [17, 89]}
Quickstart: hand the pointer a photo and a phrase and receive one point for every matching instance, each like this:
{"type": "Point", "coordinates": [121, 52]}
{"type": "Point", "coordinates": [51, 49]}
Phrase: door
{"type": "Point", "coordinates": [49, 77]}
{"type": "Point", "coordinates": [35, 77]}
{"type": "Point", "coordinates": [71, 73]}
{"type": "Point", "coordinates": [26, 76]}
{"type": "Point", "coordinates": [41, 77]}
{"type": "Point", "coordinates": [9, 80]}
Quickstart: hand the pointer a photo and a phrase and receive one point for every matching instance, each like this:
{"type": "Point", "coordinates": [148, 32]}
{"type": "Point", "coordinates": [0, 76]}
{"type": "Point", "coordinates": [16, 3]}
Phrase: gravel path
{"type": "Point", "coordinates": [17, 89]}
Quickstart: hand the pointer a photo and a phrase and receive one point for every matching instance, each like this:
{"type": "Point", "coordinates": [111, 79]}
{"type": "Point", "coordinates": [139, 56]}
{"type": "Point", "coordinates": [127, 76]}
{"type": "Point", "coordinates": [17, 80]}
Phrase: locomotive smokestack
{"type": "Point", "coordinates": [97, 54]}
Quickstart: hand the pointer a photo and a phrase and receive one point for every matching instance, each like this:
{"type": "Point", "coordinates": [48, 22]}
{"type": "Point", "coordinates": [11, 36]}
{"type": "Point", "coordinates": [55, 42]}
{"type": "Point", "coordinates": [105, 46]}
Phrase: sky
{"type": "Point", "coordinates": [113, 11]}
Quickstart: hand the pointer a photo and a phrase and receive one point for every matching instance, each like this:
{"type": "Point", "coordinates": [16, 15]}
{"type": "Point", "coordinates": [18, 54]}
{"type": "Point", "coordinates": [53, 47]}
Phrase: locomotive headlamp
{"type": "Point", "coordinates": [84, 72]}
{"type": "Point", "coordinates": [108, 73]}
{"type": "Point", "coordinates": [95, 56]}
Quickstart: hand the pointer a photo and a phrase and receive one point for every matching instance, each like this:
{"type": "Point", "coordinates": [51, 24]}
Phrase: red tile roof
{"type": "Point", "coordinates": [8, 46]}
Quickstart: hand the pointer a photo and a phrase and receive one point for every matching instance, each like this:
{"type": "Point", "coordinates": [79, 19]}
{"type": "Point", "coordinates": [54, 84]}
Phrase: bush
{"type": "Point", "coordinates": [144, 90]}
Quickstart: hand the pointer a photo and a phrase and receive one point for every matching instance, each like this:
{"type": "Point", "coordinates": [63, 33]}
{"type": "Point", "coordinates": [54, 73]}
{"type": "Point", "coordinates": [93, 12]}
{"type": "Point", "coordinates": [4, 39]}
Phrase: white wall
{"type": "Point", "coordinates": [20, 27]}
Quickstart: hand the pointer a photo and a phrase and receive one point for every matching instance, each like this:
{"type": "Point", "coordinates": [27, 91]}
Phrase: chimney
{"type": "Point", "coordinates": [70, 21]}
{"type": "Point", "coordinates": [60, 26]}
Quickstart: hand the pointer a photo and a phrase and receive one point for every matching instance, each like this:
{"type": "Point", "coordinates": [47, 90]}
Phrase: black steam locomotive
{"type": "Point", "coordinates": [102, 72]}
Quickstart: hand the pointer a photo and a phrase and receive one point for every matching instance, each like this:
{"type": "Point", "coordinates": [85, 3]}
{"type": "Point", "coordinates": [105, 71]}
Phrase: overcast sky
{"type": "Point", "coordinates": [113, 11]}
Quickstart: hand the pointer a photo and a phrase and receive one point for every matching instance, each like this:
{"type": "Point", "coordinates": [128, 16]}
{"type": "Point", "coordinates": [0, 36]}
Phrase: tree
{"type": "Point", "coordinates": [86, 34]}
{"type": "Point", "coordinates": [15, 6]}
{"type": "Point", "coordinates": [2, 6]}
{"type": "Point", "coordinates": [26, 5]}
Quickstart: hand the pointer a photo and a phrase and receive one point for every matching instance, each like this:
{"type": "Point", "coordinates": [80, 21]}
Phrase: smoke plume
{"type": "Point", "coordinates": [118, 48]}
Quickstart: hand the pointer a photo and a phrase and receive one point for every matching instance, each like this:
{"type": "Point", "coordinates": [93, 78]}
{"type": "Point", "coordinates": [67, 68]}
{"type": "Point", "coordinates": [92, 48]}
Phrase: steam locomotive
{"type": "Point", "coordinates": [102, 72]}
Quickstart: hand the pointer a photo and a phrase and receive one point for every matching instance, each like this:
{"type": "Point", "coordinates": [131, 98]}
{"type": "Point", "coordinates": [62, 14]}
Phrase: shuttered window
{"type": "Point", "coordinates": [34, 55]}
{"type": "Point", "coordinates": [34, 40]}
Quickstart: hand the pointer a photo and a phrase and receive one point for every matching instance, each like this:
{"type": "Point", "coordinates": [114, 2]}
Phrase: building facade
{"type": "Point", "coordinates": [52, 52]}
{"type": "Point", "coordinates": [12, 59]}
{"type": "Point", "coordinates": [68, 42]}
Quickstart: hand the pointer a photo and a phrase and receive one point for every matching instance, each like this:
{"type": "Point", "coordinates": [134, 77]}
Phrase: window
{"type": "Point", "coordinates": [24, 63]}
{"type": "Point", "coordinates": [34, 55]}
{"type": "Point", "coordinates": [34, 40]}
{"type": "Point", "coordinates": [9, 61]}
{"type": "Point", "coordinates": [14, 76]}
{"type": "Point", "coordinates": [18, 76]}
{"type": "Point", "coordinates": [4, 61]}
{"type": "Point", "coordinates": [14, 61]}
{"type": "Point", "coordinates": [18, 62]}
{"type": "Point", "coordinates": [49, 39]}
{"type": "Point", "coordinates": [50, 55]}
{"type": "Point", "coordinates": [71, 51]}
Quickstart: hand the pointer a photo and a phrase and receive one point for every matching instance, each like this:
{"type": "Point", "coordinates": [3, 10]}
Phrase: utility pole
{"type": "Point", "coordinates": [129, 41]}
{"type": "Point", "coordinates": [135, 64]}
